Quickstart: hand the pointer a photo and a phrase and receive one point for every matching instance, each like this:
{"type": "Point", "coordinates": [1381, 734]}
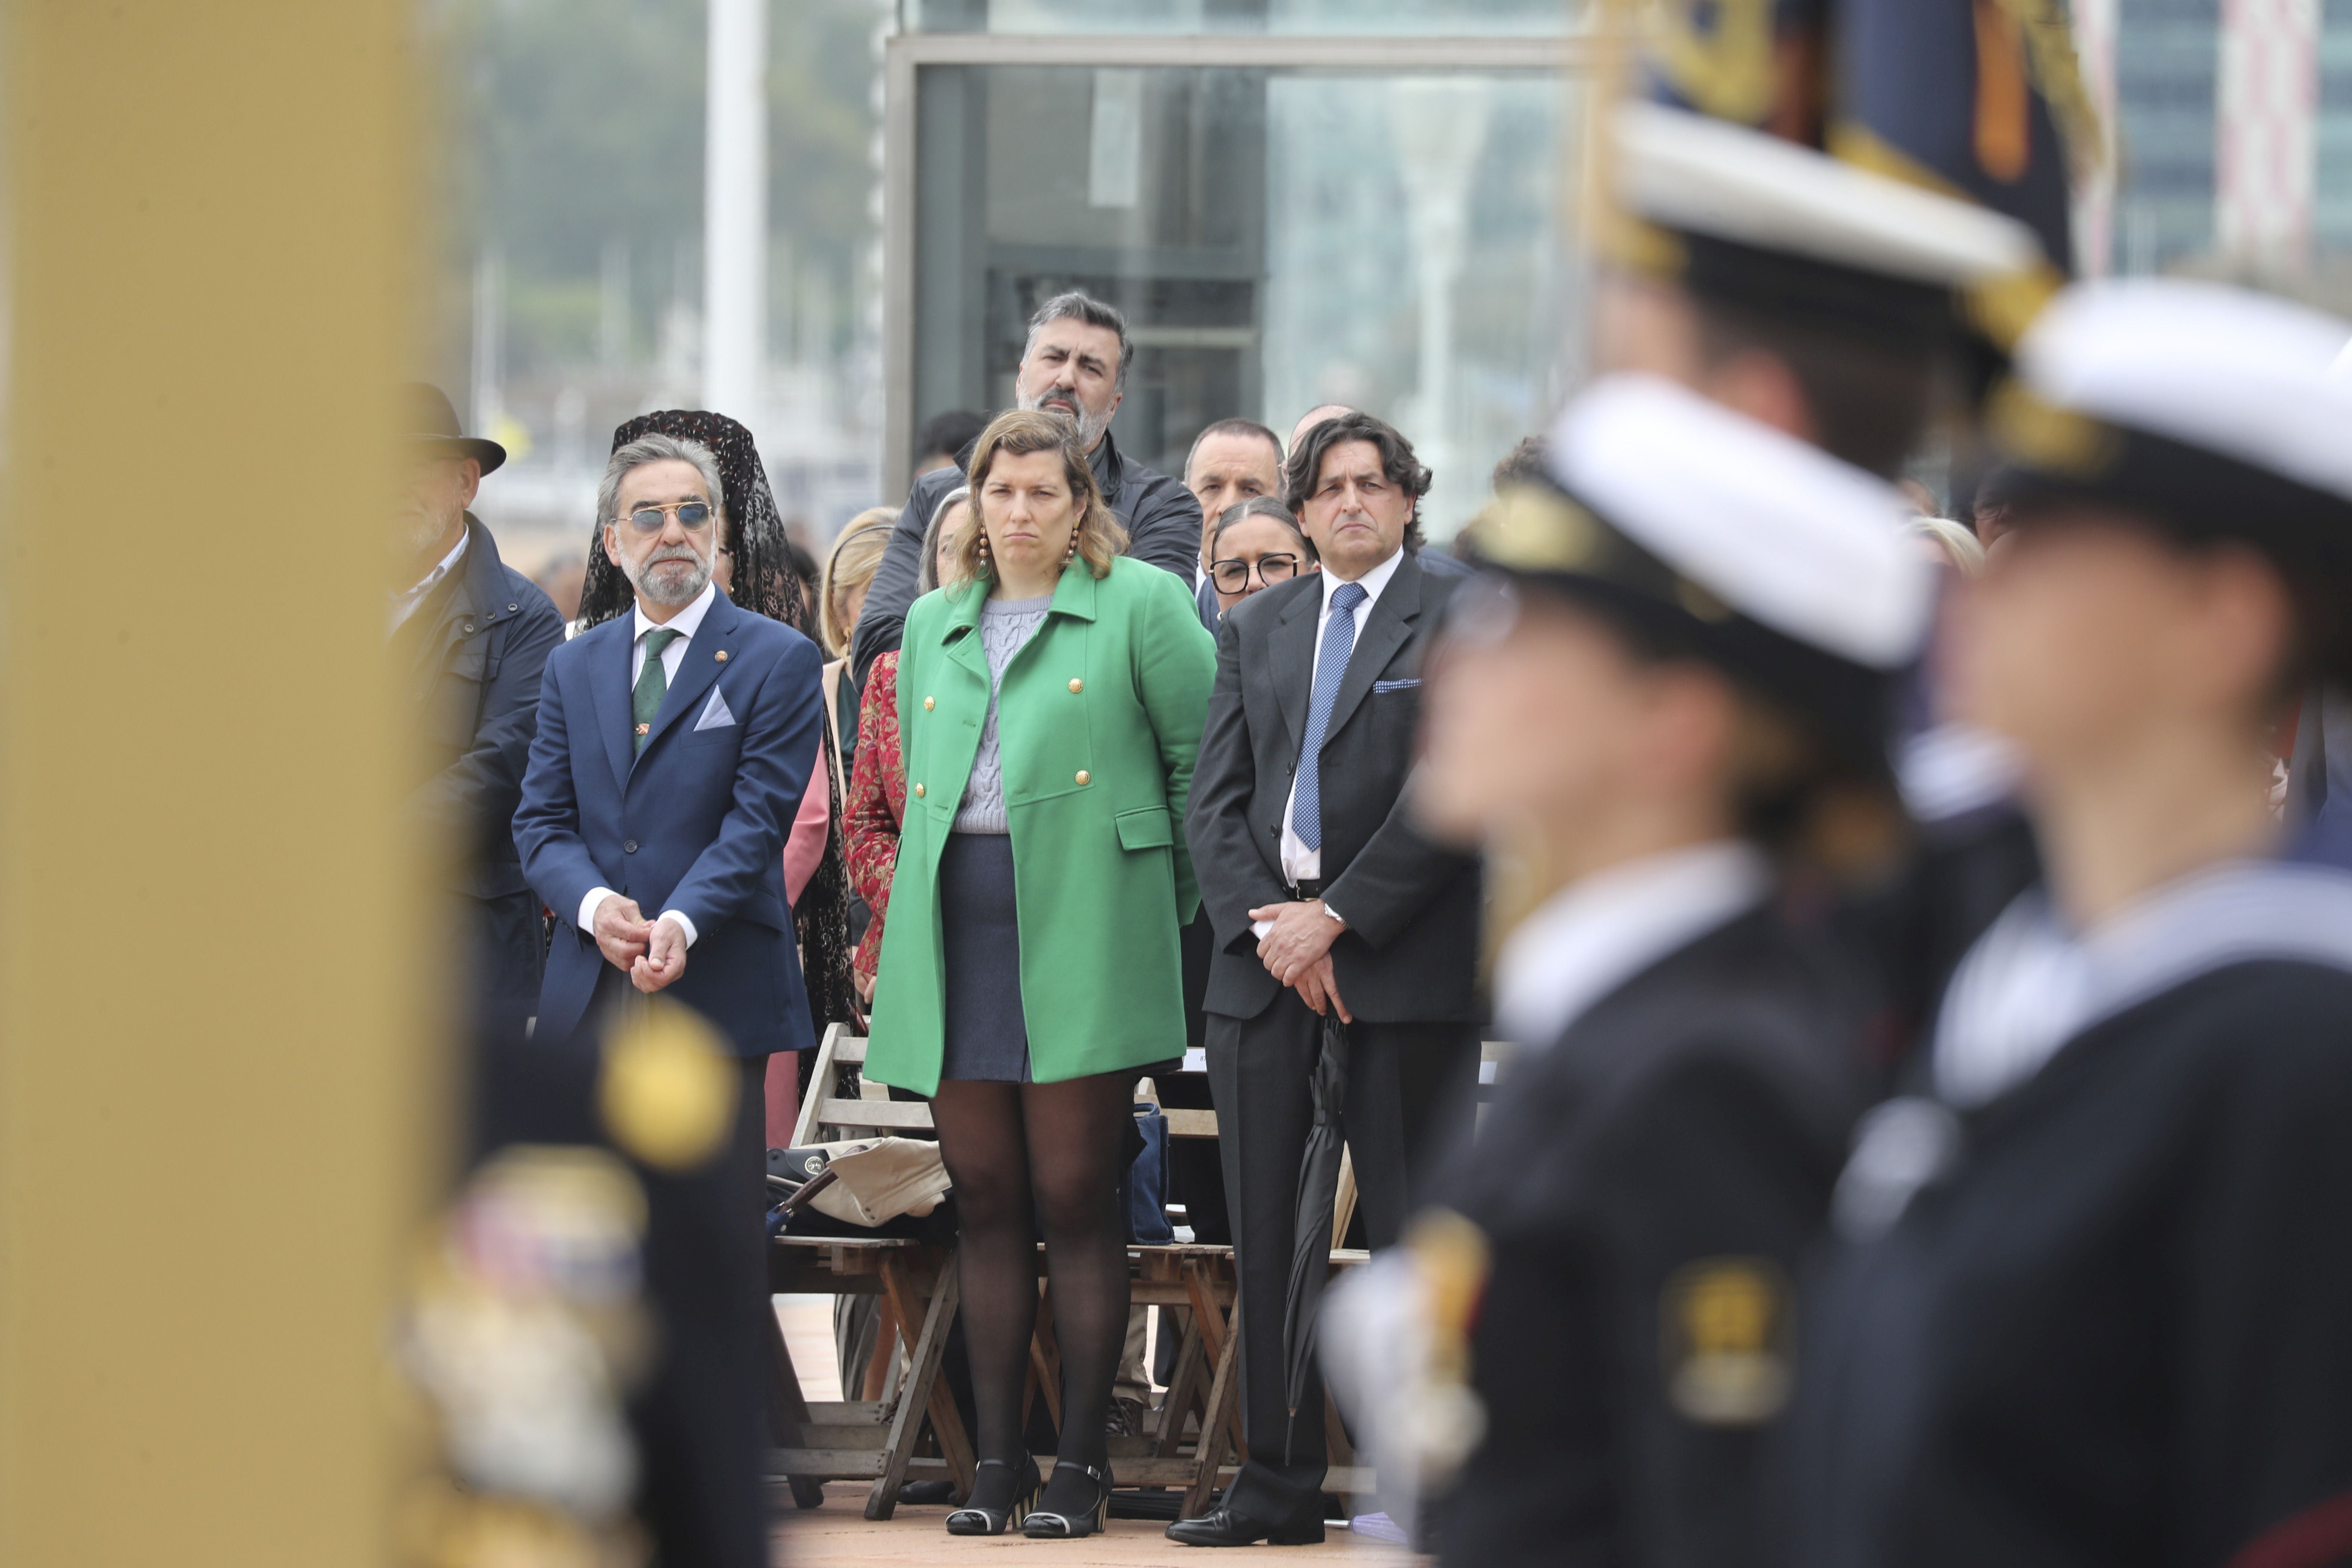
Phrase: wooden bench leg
{"type": "Point", "coordinates": [923, 1393]}
{"type": "Point", "coordinates": [876, 1385]}
{"type": "Point", "coordinates": [1184, 1388]}
{"type": "Point", "coordinates": [788, 1409]}
{"type": "Point", "coordinates": [1219, 1426]}
{"type": "Point", "coordinates": [1219, 1331]}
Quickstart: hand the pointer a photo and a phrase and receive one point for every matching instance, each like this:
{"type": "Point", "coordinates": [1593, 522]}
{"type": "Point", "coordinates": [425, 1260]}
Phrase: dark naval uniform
{"type": "Point", "coordinates": [1648, 1187]}
{"type": "Point", "coordinates": [590, 1332]}
{"type": "Point", "coordinates": [1611, 1266]}
{"type": "Point", "coordinates": [2106, 1315]}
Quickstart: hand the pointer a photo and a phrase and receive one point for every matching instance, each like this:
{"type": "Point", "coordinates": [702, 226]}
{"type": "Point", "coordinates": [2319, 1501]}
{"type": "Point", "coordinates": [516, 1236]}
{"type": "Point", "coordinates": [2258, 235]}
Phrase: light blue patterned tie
{"type": "Point", "coordinates": [1331, 670]}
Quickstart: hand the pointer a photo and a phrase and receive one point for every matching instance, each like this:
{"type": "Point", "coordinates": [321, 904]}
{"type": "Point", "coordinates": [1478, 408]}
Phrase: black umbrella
{"type": "Point", "coordinates": [1318, 1185]}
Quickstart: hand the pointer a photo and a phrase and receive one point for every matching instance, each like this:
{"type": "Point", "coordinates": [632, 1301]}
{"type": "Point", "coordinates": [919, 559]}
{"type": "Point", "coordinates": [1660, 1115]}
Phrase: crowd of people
{"type": "Point", "coordinates": [1922, 1135]}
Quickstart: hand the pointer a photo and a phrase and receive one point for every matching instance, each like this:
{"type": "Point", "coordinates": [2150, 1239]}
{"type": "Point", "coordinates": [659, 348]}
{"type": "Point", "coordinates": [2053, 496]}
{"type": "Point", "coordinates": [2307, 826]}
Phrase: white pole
{"type": "Point", "coordinates": [735, 211]}
{"type": "Point", "coordinates": [489, 368]}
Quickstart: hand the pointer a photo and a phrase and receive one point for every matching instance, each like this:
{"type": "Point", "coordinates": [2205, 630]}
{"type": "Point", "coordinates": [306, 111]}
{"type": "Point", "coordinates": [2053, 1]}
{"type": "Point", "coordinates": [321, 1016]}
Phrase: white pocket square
{"type": "Point", "coordinates": [716, 714]}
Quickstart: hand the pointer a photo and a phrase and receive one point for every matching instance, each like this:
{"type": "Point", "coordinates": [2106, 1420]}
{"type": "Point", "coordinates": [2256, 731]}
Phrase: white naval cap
{"type": "Point", "coordinates": [2211, 411]}
{"type": "Point", "coordinates": [1702, 531]}
{"type": "Point", "coordinates": [1698, 174]}
{"type": "Point", "coordinates": [2245, 376]}
{"type": "Point", "coordinates": [1776, 528]}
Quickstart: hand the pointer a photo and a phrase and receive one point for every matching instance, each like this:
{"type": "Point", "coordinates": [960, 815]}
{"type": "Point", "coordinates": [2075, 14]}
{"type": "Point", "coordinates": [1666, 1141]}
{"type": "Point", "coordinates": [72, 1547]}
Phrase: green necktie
{"type": "Point", "coordinates": [653, 684]}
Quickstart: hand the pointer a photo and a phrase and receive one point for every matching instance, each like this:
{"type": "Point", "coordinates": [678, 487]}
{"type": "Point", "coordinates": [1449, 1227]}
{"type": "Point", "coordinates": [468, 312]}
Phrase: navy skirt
{"type": "Point", "coordinates": [987, 1039]}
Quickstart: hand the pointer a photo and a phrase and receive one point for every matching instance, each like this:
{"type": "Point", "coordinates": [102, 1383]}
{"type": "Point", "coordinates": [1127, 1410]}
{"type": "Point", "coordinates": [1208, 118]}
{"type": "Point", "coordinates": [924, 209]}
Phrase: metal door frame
{"type": "Point", "coordinates": [908, 53]}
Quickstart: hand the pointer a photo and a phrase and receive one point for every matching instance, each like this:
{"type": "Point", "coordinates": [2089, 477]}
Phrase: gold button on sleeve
{"type": "Point", "coordinates": [1084, 775]}
{"type": "Point", "coordinates": [929, 703]}
{"type": "Point", "coordinates": [919, 792]}
{"type": "Point", "coordinates": [1077, 685]}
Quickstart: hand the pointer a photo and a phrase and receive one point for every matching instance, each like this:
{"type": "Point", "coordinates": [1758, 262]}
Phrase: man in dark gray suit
{"type": "Point", "coordinates": [469, 638]}
{"type": "Point", "coordinates": [1323, 895]}
{"type": "Point", "coordinates": [1074, 363]}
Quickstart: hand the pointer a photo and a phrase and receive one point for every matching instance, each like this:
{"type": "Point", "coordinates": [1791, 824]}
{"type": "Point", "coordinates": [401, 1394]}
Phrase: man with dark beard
{"type": "Point", "coordinates": [469, 638]}
{"type": "Point", "coordinates": [1076, 363]}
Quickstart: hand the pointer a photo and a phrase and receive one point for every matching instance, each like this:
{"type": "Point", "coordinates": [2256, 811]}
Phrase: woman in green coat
{"type": "Point", "coordinates": [1049, 707]}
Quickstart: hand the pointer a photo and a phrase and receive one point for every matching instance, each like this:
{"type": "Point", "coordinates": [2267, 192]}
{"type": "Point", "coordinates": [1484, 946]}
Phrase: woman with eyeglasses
{"type": "Point", "coordinates": [1257, 543]}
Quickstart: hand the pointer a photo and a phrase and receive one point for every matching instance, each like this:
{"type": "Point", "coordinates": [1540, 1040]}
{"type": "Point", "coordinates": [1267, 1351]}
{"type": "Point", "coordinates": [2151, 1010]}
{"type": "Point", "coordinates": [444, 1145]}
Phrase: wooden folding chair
{"type": "Point", "coordinates": [860, 1439]}
{"type": "Point", "coordinates": [1211, 1342]}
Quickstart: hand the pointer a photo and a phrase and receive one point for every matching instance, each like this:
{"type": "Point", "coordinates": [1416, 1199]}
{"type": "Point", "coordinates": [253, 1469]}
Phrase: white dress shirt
{"type": "Point", "coordinates": [2032, 983]}
{"type": "Point", "coordinates": [686, 623]}
{"type": "Point", "coordinates": [1301, 864]}
{"type": "Point", "coordinates": [405, 605]}
{"type": "Point", "coordinates": [1598, 932]}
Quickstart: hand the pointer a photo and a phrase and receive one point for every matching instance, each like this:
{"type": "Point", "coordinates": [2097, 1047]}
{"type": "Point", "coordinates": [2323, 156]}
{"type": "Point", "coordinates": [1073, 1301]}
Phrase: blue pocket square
{"type": "Point", "coordinates": [1406, 685]}
{"type": "Point", "coordinates": [716, 714]}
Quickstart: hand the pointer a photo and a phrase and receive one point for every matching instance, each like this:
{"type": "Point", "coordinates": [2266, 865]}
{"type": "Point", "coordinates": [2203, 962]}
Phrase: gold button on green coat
{"type": "Point", "coordinates": [929, 703]}
{"type": "Point", "coordinates": [1102, 882]}
{"type": "Point", "coordinates": [919, 792]}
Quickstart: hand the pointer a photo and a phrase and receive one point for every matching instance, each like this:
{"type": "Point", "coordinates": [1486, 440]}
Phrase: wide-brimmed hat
{"type": "Point", "coordinates": [432, 423]}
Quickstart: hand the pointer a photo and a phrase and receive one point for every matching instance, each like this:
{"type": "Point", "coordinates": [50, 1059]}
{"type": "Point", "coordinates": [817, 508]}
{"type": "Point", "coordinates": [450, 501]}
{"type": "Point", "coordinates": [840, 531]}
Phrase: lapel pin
{"type": "Point", "coordinates": [721, 656]}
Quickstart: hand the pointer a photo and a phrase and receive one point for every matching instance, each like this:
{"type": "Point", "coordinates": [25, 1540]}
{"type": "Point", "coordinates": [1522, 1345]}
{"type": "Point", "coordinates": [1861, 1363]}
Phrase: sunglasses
{"type": "Point", "coordinates": [693, 516]}
{"type": "Point", "coordinates": [1233, 575]}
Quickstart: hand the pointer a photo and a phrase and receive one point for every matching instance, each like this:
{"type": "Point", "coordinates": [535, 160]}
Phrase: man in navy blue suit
{"type": "Point", "coordinates": [673, 748]}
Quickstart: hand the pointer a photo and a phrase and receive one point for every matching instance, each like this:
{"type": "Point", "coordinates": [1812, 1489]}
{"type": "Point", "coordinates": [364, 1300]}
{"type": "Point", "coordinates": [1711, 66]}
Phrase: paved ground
{"type": "Point", "coordinates": [808, 1330]}
{"type": "Point", "coordinates": [840, 1532]}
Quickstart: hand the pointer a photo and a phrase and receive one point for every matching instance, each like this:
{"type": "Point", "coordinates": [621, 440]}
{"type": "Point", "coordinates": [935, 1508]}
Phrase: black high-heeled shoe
{"type": "Point", "coordinates": [974, 1519]}
{"type": "Point", "coordinates": [1042, 1525]}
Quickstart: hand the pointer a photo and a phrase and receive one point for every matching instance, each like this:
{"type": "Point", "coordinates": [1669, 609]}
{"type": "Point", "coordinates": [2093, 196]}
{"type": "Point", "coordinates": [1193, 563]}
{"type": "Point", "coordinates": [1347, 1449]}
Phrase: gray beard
{"type": "Point", "coordinates": [655, 586]}
{"type": "Point", "coordinates": [423, 530]}
{"type": "Point", "coordinates": [1090, 426]}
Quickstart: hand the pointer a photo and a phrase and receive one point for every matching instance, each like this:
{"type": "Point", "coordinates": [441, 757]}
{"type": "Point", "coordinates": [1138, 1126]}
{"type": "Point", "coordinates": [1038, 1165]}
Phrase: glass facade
{"type": "Point", "coordinates": [1277, 238]}
{"type": "Point", "coordinates": [2167, 63]}
{"type": "Point", "coordinates": [2169, 92]}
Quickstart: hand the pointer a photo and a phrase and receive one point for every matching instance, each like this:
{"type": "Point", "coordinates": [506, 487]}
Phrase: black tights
{"type": "Point", "coordinates": [1056, 1146]}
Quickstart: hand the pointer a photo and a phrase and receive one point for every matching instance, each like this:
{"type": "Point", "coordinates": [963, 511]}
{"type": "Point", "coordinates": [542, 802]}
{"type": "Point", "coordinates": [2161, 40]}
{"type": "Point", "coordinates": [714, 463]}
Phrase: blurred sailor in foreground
{"type": "Point", "coordinates": [1667, 690]}
{"type": "Point", "coordinates": [575, 1325]}
{"type": "Point", "coordinates": [2092, 1299]}
{"type": "Point", "coordinates": [1833, 303]}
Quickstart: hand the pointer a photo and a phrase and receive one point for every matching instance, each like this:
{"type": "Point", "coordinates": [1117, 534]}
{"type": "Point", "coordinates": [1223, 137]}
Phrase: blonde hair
{"type": "Point", "coordinates": [1100, 538]}
{"type": "Point", "coordinates": [856, 555]}
{"type": "Point", "coordinates": [1960, 545]}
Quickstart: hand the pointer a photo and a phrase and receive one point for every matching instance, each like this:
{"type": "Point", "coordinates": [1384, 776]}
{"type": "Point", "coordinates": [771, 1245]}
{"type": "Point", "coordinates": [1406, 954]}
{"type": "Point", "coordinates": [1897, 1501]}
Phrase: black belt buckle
{"type": "Point", "coordinates": [1309, 888]}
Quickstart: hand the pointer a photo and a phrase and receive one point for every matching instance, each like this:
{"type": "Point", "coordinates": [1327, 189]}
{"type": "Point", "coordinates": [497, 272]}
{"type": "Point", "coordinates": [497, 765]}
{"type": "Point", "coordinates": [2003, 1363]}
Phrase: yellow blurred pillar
{"type": "Point", "coordinates": [209, 1060]}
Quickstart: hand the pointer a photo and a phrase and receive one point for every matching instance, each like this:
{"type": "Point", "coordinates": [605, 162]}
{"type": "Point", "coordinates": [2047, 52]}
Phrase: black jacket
{"type": "Point", "coordinates": [470, 658]}
{"type": "Point", "coordinates": [2116, 1326]}
{"type": "Point", "coordinates": [1410, 950]}
{"type": "Point", "coordinates": [1647, 1187]}
{"type": "Point", "coordinates": [1162, 520]}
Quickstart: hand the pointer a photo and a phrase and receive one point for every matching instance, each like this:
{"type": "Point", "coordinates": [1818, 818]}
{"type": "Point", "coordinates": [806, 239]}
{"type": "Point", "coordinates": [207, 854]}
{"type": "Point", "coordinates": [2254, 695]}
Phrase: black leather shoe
{"type": "Point", "coordinates": [1223, 1527]}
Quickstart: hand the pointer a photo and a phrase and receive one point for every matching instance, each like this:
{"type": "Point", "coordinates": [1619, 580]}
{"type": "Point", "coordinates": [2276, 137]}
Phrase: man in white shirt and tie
{"type": "Point", "coordinates": [1325, 898]}
{"type": "Point", "coordinates": [673, 746]}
